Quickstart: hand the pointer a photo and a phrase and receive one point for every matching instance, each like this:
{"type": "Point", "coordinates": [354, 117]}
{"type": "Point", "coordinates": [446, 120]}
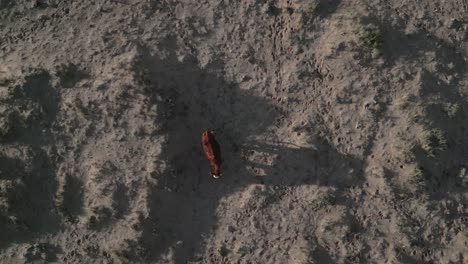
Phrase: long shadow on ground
{"type": "Point", "coordinates": [443, 174]}
{"type": "Point", "coordinates": [184, 203]}
{"type": "Point", "coordinates": [27, 173]}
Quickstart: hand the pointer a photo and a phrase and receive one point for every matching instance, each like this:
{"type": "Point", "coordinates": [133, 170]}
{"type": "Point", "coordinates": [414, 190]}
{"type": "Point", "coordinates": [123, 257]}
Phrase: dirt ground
{"type": "Point", "coordinates": [342, 124]}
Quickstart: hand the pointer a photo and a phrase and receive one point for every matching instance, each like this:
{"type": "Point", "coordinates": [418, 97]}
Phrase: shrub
{"type": "Point", "coordinates": [5, 126]}
{"type": "Point", "coordinates": [372, 39]}
{"type": "Point", "coordinates": [312, 6]}
{"type": "Point", "coordinates": [418, 178]}
{"type": "Point", "coordinates": [433, 141]}
{"type": "Point", "coordinates": [453, 110]}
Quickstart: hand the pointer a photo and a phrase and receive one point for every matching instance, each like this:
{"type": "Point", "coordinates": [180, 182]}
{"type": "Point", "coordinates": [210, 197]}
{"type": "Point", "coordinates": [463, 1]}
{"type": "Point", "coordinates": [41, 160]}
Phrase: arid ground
{"type": "Point", "coordinates": [343, 126]}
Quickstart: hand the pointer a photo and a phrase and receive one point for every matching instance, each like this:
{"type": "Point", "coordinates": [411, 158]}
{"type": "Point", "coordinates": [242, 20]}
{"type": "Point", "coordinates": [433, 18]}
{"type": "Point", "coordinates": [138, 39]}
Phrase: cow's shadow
{"type": "Point", "coordinates": [183, 205]}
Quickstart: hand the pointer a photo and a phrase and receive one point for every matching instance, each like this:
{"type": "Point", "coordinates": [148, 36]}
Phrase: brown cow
{"type": "Point", "coordinates": [212, 152]}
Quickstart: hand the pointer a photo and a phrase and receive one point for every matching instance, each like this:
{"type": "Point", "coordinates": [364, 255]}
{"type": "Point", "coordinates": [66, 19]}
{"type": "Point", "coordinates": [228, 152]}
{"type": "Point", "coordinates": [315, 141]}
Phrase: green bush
{"type": "Point", "coordinates": [312, 6]}
{"type": "Point", "coordinates": [418, 178]}
{"type": "Point", "coordinates": [453, 110]}
{"type": "Point", "coordinates": [372, 39]}
{"type": "Point", "coordinates": [433, 141]}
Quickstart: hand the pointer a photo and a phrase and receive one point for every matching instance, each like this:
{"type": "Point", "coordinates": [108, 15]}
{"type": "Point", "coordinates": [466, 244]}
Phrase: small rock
{"type": "Point", "coordinates": [42, 17]}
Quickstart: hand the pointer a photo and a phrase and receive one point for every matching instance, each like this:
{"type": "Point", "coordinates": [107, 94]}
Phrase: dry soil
{"type": "Point", "coordinates": [342, 124]}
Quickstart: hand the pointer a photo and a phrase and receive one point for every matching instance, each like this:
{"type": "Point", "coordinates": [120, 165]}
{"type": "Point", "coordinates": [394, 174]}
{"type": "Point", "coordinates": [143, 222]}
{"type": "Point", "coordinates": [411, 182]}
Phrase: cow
{"type": "Point", "coordinates": [212, 152]}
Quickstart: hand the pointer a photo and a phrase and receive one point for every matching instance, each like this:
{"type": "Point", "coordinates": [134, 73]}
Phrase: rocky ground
{"type": "Point", "coordinates": [342, 124]}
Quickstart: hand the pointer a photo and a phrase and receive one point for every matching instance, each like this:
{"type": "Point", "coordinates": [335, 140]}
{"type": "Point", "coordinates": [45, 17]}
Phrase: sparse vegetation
{"type": "Point", "coordinates": [4, 130]}
{"type": "Point", "coordinates": [311, 260]}
{"type": "Point", "coordinates": [453, 110]}
{"type": "Point", "coordinates": [416, 113]}
{"type": "Point", "coordinates": [325, 200]}
{"type": "Point", "coordinates": [414, 117]}
{"type": "Point", "coordinates": [5, 127]}
{"type": "Point", "coordinates": [5, 81]}
{"type": "Point", "coordinates": [372, 39]}
{"type": "Point", "coordinates": [433, 141]}
{"type": "Point", "coordinates": [341, 126]}
{"type": "Point", "coordinates": [418, 178]}
{"type": "Point", "coordinates": [69, 74]}
{"type": "Point", "coordinates": [311, 6]}
{"type": "Point", "coordinates": [408, 155]}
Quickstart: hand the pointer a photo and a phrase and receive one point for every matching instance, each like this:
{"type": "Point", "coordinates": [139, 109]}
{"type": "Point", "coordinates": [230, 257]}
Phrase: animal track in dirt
{"type": "Point", "coordinates": [186, 195]}
{"type": "Point", "coordinates": [102, 148]}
